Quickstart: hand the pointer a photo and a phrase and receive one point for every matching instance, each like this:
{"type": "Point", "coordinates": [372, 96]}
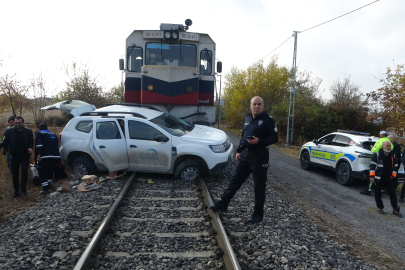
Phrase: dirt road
{"type": "Point", "coordinates": [341, 211]}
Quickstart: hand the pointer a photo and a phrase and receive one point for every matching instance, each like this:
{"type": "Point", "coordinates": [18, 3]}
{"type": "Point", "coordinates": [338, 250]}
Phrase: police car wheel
{"type": "Point", "coordinates": [189, 170]}
{"type": "Point", "coordinates": [82, 166]}
{"type": "Point", "coordinates": [305, 160]}
{"type": "Point", "coordinates": [344, 174]}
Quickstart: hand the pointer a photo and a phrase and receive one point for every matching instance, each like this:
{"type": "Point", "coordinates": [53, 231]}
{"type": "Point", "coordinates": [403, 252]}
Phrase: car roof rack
{"type": "Point", "coordinates": [106, 114]}
{"type": "Point", "coordinates": [354, 132]}
{"type": "Point", "coordinates": [132, 105]}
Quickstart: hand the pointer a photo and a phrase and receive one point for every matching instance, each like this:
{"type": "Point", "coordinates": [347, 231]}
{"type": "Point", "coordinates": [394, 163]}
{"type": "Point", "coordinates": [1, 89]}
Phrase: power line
{"type": "Point", "coordinates": [339, 16]}
{"type": "Point", "coordinates": [275, 48]}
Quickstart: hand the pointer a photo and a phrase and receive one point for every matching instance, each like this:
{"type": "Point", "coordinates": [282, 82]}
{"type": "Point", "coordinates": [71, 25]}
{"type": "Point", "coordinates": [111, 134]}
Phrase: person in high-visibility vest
{"type": "Point", "coordinates": [377, 146]}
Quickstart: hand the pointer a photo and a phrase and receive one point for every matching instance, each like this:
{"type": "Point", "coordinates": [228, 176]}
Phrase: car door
{"type": "Point", "coordinates": [144, 152]}
{"type": "Point", "coordinates": [321, 152]}
{"type": "Point", "coordinates": [110, 144]}
{"type": "Point", "coordinates": [338, 148]}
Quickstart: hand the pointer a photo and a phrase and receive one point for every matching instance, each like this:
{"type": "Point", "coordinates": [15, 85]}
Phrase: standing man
{"type": "Point", "coordinates": [20, 142]}
{"type": "Point", "coordinates": [377, 146]}
{"type": "Point", "coordinates": [397, 152]}
{"type": "Point", "coordinates": [382, 170]}
{"type": "Point", "coordinates": [252, 155]}
{"type": "Point", "coordinates": [47, 154]}
{"type": "Point", "coordinates": [10, 121]}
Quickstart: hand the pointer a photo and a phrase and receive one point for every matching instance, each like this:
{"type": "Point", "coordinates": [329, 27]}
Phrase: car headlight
{"type": "Point", "coordinates": [219, 148]}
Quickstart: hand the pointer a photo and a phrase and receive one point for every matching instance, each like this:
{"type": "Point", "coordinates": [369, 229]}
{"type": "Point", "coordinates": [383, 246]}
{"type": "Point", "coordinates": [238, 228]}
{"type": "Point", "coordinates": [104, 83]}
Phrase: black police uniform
{"type": "Point", "coordinates": [254, 159]}
{"type": "Point", "coordinates": [46, 145]}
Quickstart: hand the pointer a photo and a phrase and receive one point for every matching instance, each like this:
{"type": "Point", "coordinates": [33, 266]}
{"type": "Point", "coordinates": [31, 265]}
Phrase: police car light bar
{"type": "Point", "coordinates": [354, 132]}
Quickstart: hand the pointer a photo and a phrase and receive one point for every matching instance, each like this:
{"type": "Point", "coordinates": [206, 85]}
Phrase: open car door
{"type": "Point", "coordinates": [110, 144]}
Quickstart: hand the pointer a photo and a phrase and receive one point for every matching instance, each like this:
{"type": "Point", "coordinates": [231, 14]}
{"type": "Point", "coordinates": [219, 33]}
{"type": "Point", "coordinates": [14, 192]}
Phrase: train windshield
{"type": "Point", "coordinates": [171, 54]}
{"type": "Point", "coordinates": [172, 124]}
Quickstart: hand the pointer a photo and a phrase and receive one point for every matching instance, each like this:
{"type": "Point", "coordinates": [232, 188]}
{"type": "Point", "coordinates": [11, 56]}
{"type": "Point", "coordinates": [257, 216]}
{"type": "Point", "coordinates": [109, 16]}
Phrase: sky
{"type": "Point", "coordinates": [45, 36]}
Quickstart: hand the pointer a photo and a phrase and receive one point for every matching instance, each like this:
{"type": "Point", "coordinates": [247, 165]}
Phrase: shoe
{"type": "Point", "coordinates": [219, 206]}
{"type": "Point", "coordinates": [366, 192]}
{"type": "Point", "coordinates": [401, 200]}
{"type": "Point", "coordinates": [396, 212]}
{"type": "Point", "coordinates": [24, 193]}
{"type": "Point", "coordinates": [380, 211]}
{"type": "Point", "coordinates": [256, 218]}
{"type": "Point", "coordinates": [16, 194]}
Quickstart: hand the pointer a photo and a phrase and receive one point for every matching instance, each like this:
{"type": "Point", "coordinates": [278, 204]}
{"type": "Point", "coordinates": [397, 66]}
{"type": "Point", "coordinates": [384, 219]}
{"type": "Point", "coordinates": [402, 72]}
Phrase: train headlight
{"type": "Point", "coordinates": [150, 87]}
{"type": "Point", "coordinates": [167, 35]}
{"type": "Point", "coordinates": [175, 35]}
{"type": "Point", "coordinates": [189, 89]}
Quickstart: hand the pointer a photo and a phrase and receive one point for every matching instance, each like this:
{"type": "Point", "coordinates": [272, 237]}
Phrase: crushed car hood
{"type": "Point", "coordinates": [205, 134]}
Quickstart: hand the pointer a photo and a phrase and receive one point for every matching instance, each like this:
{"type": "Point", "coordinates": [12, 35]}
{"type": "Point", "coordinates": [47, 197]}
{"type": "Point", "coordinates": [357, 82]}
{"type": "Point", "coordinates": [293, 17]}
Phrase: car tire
{"type": "Point", "coordinates": [82, 166]}
{"type": "Point", "coordinates": [305, 160]}
{"type": "Point", "coordinates": [344, 174]}
{"type": "Point", "coordinates": [189, 170]}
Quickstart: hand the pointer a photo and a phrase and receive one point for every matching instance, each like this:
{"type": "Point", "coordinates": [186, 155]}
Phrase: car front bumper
{"type": "Point", "coordinates": [220, 166]}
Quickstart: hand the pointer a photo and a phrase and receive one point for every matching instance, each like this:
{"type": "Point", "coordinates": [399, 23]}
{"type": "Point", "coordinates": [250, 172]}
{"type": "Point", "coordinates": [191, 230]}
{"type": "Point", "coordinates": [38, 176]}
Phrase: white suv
{"type": "Point", "coordinates": [139, 138]}
{"type": "Point", "coordinates": [345, 152]}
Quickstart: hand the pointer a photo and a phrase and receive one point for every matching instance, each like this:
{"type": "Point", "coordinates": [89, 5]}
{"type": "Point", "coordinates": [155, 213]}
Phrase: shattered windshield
{"type": "Point", "coordinates": [172, 124]}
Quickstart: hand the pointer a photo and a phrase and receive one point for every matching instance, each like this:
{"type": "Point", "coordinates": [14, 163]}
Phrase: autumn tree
{"type": "Point", "coordinates": [391, 98]}
{"type": "Point", "coordinates": [14, 93]}
{"type": "Point", "coordinates": [114, 94]}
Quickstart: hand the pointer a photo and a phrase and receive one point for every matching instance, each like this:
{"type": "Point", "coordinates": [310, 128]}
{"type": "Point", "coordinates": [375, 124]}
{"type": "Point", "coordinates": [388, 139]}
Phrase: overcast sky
{"type": "Point", "coordinates": [43, 36]}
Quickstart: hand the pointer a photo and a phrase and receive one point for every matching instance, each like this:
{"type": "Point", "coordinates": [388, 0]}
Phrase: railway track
{"type": "Point", "coordinates": [164, 225]}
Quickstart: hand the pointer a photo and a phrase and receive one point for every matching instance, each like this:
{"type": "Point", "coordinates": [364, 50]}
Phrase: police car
{"type": "Point", "coordinates": [345, 152]}
{"type": "Point", "coordinates": [141, 138]}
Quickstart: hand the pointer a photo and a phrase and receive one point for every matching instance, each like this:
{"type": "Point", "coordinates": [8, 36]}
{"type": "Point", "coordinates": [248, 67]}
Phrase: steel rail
{"type": "Point", "coordinates": [229, 257]}
{"type": "Point", "coordinates": [85, 259]}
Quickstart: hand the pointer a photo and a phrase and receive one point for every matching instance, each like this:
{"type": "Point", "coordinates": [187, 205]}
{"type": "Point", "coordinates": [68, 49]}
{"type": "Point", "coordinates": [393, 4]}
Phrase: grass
{"type": "Point", "coordinates": [8, 205]}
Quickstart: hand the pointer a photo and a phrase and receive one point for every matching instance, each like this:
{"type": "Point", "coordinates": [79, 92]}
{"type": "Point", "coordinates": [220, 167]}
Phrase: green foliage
{"type": "Point", "coordinates": [114, 94]}
{"type": "Point", "coordinates": [81, 86]}
{"type": "Point", "coordinates": [58, 121]}
{"type": "Point", "coordinates": [313, 117]}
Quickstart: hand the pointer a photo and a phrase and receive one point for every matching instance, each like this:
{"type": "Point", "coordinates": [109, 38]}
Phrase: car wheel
{"type": "Point", "coordinates": [344, 174]}
{"type": "Point", "coordinates": [82, 166]}
{"type": "Point", "coordinates": [189, 170]}
{"type": "Point", "coordinates": [305, 160]}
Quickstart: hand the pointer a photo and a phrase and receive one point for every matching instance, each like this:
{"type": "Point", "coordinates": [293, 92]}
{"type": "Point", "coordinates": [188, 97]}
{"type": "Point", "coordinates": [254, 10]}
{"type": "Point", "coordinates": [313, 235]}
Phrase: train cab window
{"type": "Point", "coordinates": [134, 61]}
{"type": "Point", "coordinates": [171, 54]}
{"type": "Point", "coordinates": [206, 62]}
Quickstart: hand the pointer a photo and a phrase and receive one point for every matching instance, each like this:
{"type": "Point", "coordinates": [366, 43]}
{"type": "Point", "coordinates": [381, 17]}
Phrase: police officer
{"type": "Point", "coordinates": [47, 154]}
{"type": "Point", "coordinates": [253, 157]}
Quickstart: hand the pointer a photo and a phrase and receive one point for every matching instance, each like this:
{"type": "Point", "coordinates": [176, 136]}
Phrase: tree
{"type": "Point", "coordinates": [270, 83]}
{"type": "Point", "coordinates": [391, 99]}
{"type": "Point", "coordinates": [14, 93]}
{"type": "Point", "coordinates": [346, 95]}
{"type": "Point", "coordinates": [114, 94]}
{"type": "Point", "coordinates": [39, 100]}
{"type": "Point", "coordinates": [81, 85]}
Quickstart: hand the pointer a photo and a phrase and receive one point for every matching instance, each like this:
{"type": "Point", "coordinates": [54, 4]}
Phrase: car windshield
{"type": "Point", "coordinates": [172, 124]}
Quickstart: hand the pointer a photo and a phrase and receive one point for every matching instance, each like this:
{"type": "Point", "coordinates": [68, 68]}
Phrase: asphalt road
{"type": "Point", "coordinates": [356, 211]}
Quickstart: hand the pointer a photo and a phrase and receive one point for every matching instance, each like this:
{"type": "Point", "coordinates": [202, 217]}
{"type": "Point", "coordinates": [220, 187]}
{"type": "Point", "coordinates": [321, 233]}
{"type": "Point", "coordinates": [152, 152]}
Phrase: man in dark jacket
{"type": "Point", "coordinates": [397, 152]}
{"type": "Point", "coordinates": [401, 197]}
{"type": "Point", "coordinates": [382, 170]}
{"type": "Point", "coordinates": [20, 142]}
{"type": "Point", "coordinates": [253, 157]}
{"type": "Point", "coordinates": [10, 121]}
{"type": "Point", "coordinates": [47, 154]}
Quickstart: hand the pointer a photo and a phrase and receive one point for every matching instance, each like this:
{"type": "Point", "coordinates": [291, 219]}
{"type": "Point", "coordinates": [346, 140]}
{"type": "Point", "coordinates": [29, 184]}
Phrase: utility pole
{"type": "Point", "coordinates": [290, 123]}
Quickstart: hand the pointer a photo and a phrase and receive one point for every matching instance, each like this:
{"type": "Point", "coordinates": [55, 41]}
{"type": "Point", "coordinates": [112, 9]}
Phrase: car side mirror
{"type": "Point", "coordinates": [161, 138]}
{"type": "Point", "coordinates": [315, 141]}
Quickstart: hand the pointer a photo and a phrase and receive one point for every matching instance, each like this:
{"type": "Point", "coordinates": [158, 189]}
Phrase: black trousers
{"type": "Point", "coordinates": [389, 185]}
{"type": "Point", "coordinates": [45, 171]}
{"type": "Point", "coordinates": [16, 163]}
{"type": "Point", "coordinates": [257, 164]}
